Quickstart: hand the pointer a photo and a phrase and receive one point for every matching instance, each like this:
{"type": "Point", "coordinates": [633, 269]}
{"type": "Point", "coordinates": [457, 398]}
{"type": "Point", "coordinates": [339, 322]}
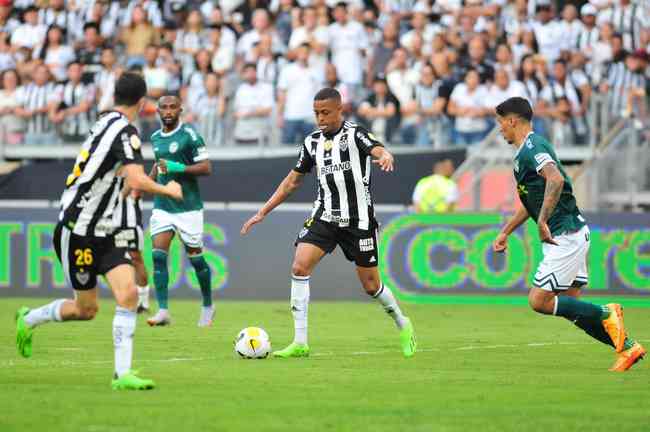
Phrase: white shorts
{"type": "Point", "coordinates": [565, 263]}
{"type": "Point", "coordinates": [188, 225]}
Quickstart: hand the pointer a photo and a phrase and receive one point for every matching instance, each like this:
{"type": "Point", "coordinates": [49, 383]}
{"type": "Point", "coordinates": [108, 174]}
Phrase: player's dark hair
{"type": "Point", "coordinates": [129, 89]}
{"type": "Point", "coordinates": [328, 93]}
{"type": "Point", "coordinates": [517, 106]}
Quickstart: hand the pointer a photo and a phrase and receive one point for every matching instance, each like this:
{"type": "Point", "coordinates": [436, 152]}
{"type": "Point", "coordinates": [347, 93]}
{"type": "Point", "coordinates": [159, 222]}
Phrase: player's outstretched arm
{"type": "Point", "coordinates": [203, 168]}
{"type": "Point", "coordinates": [552, 192]}
{"type": "Point", "coordinates": [383, 158]}
{"type": "Point", "coordinates": [136, 179]}
{"type": "Point", "coordinates": [501, 242]}
{"type": "Point", "coordinates": [290, 183]}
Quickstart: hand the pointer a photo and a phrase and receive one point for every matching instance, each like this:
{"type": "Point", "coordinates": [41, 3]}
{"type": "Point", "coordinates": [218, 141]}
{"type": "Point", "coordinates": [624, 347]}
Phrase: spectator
{"type": "Point", "coordinates": [528, 76]}
{"type": "Point", "coordinates": [348, 43]}
{"type": "Point", "coordinates": [476, 59]}
{"type": "Point", "coordinates": [317, 38]}
{"type": "Point", "coordinates": [156, 77]}
{"type": "Point", "coordinates": [503, 88]}
{"type": "Point", "coordinates": [105, 15]}
{"type": "Point", "coordinates": [430, 108]}
{"type": "Point", "coordinates": [515, 19]}
{"type": "Point", "coordinates": [209, 111]}
{"type": "Point", "coordinates": [137, 35]}
{"type": "Point", "coordinates": [190, 40]}
{"type": "Point", "coordinates": [57, 15]}
{"type": "Point", "coordinates": [252, 108]}
{"type": "Point", "coordinates": [37, 99]}
{"type": "Point", "coordinates": [8, 24]}
{"type": "Point", "coordinates": [548, 32]}
{"type": "Point", "coordinates": [89, 54]}
{"type": "Point", "coordinates": [150, 10]}
{"type": "Point", "coordinates": [195, 82]}
{"type": "Point", "coordinates": [228, 37]}
{"type": "Point", "coordinates": [7, 60]}
{"type": "Point", "coordinates": [167, 61]}
{"type": "Point", "coordinates": [525, 44]}
{"type": "Point", "coordinates": [283, 20]}
{"type": "Point", "coordinates": [74, 111]}
{"type": "Point", "coordinates": [105, 79]}
{"type": "Point", "coordinates": [401, 82]}
{"type": "Point", "coordinates": [383, 52]}
{"type": "Point", "coordinates": [11, 125]}
{"type": "Point", "coordinates": [437, 193]}
{"type": "Point", "coordinates": [332, 81]}
{"type": "Point", "coordinates": [558, 94]}
{"type": "Point", "coordinates": [570, 27]}
{"type": "Point", "coordinates": [589, 34]}
{"type": "Point", "coordinates": [268, 62]}
{"type": "Point", "coordinates": [467, 105]}
{"type": "Point", "coordinates": [297, 86]}
{"type": "Point", "coordinates": [628, 18]}
{"type": "Point", "coordinates": [54, 53]}
{"type": "Point", "coordinates": [261, 25]}
{"type": "Point", "coordinates": [623, 79]}
{"type": "Point", "coordinates": [223, 54]}
{"type": "Point", "coordinates": [30, 33]}
{"type": "Point", "coordinates": [421, 27]}
{"type": "Point", "coordinates": [373, 34]}
{"type": "Point", "coordinates": [381, 111]}
{"type": "Point", "coordinates": [504, 60]}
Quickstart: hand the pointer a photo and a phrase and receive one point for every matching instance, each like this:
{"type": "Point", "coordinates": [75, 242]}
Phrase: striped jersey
{"type": "Point", "coordinates": [72, 94]}
{"type": "Point", "coordinates": [92, 189]}
{"type": "Point", "coordinates": [342, 161]}
{"type": "Point", "coordinates": [34, 97]}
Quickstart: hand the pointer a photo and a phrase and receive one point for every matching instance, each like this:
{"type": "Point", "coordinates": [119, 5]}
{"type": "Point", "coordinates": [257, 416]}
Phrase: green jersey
{"type": "Point", "coordinates": [186, 146]}
{"type": "Point", "coordinates": [532, 156]}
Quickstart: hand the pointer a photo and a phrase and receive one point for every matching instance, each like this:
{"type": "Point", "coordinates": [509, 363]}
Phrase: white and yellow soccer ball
{"type": "Point", "coordinates": [253, 343]}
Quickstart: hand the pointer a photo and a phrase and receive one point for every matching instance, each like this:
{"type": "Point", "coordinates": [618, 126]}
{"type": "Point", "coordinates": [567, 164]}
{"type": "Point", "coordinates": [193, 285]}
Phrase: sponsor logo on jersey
{"type": "Point", "coordinates": [365, 139]}
{"type": "Point", "coordinates": [366, 245]}
{"type": "Point", "coordinates": [328, 217]}
{"type": "Point", "coordinates": [173, 147]}
{"type": "Point", "coordinates": [343, 143]}
{"type": "Point", "coordinates": [331, 169]}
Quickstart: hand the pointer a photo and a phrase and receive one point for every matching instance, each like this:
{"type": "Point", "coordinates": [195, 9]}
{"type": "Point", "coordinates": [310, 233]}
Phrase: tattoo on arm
{"type": "Point", "coordinates": [551, 196]}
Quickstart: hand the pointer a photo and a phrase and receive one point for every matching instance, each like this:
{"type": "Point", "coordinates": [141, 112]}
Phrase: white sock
{"type": "Point", "coordinates": [387, 300]}
{"type": "Point", "coordinates": [44, 314]}
{"type": "Point", "coordinates": [143, 295]}
{"type": "Point", "coordinates": [299, 307]}
{"type": "Point", "coordinates": [123, 329]}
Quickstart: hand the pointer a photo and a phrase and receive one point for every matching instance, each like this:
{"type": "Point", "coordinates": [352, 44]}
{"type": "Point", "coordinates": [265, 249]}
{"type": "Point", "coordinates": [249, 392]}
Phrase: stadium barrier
{"type": "Point", "coordinates": [420, 258]}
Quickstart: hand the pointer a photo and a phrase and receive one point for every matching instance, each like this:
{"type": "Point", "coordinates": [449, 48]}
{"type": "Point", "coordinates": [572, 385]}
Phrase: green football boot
{"type": "Point", "coordinates": [293, 350]}
{"type": "Point", "coordinates": [407, 339]}
{"type": "Point", "coordinates": [23, 333]}
{"type": "Point", "coordinates": [130, 381]}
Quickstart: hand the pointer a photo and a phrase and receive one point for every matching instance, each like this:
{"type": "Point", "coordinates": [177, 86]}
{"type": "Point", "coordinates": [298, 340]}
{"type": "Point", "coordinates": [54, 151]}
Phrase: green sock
{"type": "Point", "coordinates": [204, 276]}
{"type": "Point", "coordinates": [604, 312]}
{"type": "Point", "coordinates": [160, 277]}
{"type": "Point", "coordinates": [573, 309]}
{"type": "Point", "coordinates": [595, 330]}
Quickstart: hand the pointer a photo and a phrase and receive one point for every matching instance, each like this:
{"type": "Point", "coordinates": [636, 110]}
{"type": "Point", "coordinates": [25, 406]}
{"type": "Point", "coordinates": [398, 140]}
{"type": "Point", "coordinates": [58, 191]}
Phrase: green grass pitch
{"type": "Point", "coordinates": [480, 368]}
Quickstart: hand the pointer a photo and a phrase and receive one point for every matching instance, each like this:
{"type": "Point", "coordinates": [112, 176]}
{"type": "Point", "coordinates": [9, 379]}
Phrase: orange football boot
{"type": "Point", "coordinates": [614, 326]}
{"type": "Point", "coordinates": [627, 358]}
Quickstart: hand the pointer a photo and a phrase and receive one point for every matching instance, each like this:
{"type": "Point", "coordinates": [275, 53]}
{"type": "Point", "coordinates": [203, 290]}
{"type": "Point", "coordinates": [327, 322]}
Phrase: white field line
{"type": "Point", "coordinates": [8, 363]}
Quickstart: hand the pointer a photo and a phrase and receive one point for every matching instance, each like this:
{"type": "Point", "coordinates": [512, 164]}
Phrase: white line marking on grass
{"type": "Point", "coordinates": [7, 363]}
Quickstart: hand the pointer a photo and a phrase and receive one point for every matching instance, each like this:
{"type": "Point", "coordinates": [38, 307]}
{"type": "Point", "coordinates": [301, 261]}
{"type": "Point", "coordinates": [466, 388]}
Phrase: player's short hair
{"type": "Point", "coordinates": [517, 106]}
{"type": "Point", "coordinates": [129, 89]}
{"type": "Point", "coordinates": [328, 93]}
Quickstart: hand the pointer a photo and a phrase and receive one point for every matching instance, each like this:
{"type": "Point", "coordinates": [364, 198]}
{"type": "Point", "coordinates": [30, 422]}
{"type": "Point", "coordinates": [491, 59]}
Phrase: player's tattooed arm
{"type": "Point", "coordinates": [552, 192]}
{"type": "Point", "coordinates": [291, 182]}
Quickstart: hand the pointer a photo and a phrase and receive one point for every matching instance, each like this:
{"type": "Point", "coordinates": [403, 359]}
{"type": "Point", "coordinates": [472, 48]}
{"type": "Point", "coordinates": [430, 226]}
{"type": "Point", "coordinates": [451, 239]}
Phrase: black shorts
{"type": "Point", "coordinates": [84, 258]}
{"type": "Point", "coordinates": [359, 246]}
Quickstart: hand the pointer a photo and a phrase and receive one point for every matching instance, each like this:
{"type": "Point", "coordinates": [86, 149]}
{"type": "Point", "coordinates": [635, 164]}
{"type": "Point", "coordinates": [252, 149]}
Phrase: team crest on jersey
{"type": "Point", "coordinates": [135, 142]}
{"type": "Point", "coordinates": [328, 145]}
{"type": "Point", "coordinates": [82, 277]}
{"type": "Point", "coordinates": [173, 147]}
{"type": "Point", "coordinates": [343, 143]}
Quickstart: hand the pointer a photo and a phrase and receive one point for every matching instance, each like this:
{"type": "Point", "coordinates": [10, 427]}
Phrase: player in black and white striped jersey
{"type": "Point", "coordinates": [128, 218]}
{"type": "Point", "coordinates": [341, 153]}
{"type": "Point", "coordinates": [84, 238]}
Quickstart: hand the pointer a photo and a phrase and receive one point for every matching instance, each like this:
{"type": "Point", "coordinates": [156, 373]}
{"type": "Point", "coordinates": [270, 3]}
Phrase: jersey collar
{"type": "Point", "coordinates": [523, 142]}
{"type": "Point", "coordinates": [176, 129]}
{"type": "Point", "coordinates": [332, 135]}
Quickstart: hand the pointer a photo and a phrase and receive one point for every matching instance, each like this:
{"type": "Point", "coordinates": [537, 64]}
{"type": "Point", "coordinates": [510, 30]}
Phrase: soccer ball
{"type": "Point", "coordinates": [253, 343]}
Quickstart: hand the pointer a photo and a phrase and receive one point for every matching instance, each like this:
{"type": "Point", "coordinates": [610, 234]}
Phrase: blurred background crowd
{"type": "Point", "coordinates": [424, 73]}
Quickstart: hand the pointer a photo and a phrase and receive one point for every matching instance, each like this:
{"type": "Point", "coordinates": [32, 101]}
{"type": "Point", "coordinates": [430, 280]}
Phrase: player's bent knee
{"type": "Point", "coordinates": [541, 301]}
{"type": "Point", "coordinates": [87, 312]}
{"type": "Point", "coordinates": [300, 269]}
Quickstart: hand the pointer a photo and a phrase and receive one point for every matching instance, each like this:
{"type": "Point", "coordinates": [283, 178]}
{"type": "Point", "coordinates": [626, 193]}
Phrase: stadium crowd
{"type": "Point", "coordinates": [415, 72]}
